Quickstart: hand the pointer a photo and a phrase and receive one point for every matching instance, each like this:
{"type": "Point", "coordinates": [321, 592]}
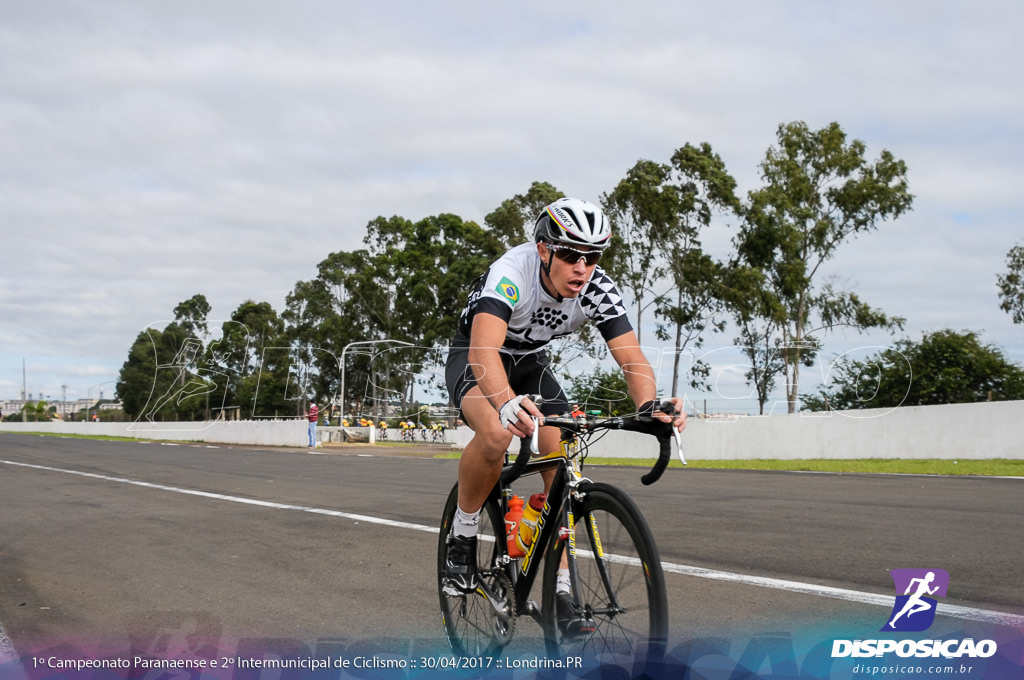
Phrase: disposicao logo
{"type": "Point", "coordinates": [913, 611]}
{"type": "Point", "coordinates": [916, 590]}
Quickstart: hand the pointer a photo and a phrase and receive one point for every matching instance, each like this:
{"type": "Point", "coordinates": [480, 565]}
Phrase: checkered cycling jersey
{"type": "Point", "coordinates": [511, 289]}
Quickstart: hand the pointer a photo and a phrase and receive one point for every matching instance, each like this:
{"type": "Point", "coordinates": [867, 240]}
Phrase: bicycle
{"type": "Point", "coordinates": [615, 571]}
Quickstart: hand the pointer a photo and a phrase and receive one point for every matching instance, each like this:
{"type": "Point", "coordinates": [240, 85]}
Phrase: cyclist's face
{"type": "Point", "coordinates": [568, 272]}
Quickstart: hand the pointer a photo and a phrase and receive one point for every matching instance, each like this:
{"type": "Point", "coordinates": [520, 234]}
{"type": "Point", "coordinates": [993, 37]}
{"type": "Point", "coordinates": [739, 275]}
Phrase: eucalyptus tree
{"type": "Point", "coordinates": [512, 222]}
{"type": "Point", "coordinates": [191, 315]}
{"type": "Point", "coordinates": [254, 363]}
{"type": "Point", "coordinates": [644, 211]}
{"type": "Point", "coordinates": [164, 376]}
{"type": "Point", "coordinates": [818, 191]}
{"type": "Point", "coordinates": [696, 303]}
{"type": "Point", "coordinates": [341, 305]}
{"type": "Point", "coordinates": [760, 319]}
{"type": "Point", "coordinates": [1011, 284]}
{"type": "Point", "coordinates": [400, 298]}
{"type": "Point", "coordinates": [660, 212]}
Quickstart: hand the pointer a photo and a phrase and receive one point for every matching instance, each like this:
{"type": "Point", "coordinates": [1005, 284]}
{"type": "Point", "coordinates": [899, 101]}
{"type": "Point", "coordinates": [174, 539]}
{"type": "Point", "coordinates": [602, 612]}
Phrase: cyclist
{"type": "Point", "coordinates": [533, 294]}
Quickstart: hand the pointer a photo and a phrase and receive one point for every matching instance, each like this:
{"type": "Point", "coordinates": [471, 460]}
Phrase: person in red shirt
{"type": "Point", "coordinates": [313, 416]}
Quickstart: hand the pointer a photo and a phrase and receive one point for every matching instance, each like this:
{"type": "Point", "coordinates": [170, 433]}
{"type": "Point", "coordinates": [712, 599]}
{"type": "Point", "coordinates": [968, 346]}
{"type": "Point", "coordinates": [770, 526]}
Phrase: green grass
{"type": "Point", "coordinates": [62, 435]}
{"type": "Point", "coordinates": [1002, 467]}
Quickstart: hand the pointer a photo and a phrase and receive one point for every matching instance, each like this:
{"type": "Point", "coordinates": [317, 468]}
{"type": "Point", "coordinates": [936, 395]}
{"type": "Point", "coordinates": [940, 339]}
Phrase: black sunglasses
{"type": "Point", "coordinates": [572, 256]}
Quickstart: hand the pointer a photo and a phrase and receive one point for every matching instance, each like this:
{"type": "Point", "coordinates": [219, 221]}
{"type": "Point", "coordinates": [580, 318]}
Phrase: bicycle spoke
{"type": "Point", "coordinates": [619, 582]}
{"type": "Point", "coordinates": [478, 623]}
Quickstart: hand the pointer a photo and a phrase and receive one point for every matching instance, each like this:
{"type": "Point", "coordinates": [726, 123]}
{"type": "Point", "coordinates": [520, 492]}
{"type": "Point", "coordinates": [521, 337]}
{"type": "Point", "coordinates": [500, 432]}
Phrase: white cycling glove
{"type": "Point", "coordinates": [509, 411]}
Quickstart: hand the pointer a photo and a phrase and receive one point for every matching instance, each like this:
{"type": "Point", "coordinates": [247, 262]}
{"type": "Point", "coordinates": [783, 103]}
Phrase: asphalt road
{"type": "Point", "coordinates": [114, 544]}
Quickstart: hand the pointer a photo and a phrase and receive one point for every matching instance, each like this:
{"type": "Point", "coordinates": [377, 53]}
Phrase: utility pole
{"type": "Point", "coordinates": [24, 401]}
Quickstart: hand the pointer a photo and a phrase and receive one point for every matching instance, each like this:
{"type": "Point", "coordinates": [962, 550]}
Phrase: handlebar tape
{"type": "Point", "coordinates": [511, 474]}
{"type": "Point", "coordinates": [663, 433]}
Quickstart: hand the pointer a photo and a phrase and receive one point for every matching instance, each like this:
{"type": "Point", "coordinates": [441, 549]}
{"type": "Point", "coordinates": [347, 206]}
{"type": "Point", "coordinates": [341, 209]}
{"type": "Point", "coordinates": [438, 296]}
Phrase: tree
{"type": "Point", "coordinates": [705, 188]}
{"type": "Point", "coordinates": [1011, 284]}
{"type": "Point", "coordinates": [253, 364]}
{"type": "Point", "coordinates": [409, 284]}
{"type": "Point", "coordinates": [644, 210]}
{"type": "Point", "coordinates": [135, 380]}
{"type": "Point", "coordinates": [160, 379]}
{"type": "Point", "coordinates": [512, 222]}
{"type": "Point", "coordinates": [191, 315]}
{"type": "Point", "coordinates": [818, 192]}
{"type": "Point", "coordinates": [604, 390]}
{"type": "Point", "coordinates": [945, 367]}
{"type": "Point", "coordinates": [36, 412]}
{"type": "Point", "coordinates": [761, 320]}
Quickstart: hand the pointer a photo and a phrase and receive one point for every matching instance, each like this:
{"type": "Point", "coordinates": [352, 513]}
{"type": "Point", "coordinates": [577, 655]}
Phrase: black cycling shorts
{"type": "Point", "coordinates": [527, 374]}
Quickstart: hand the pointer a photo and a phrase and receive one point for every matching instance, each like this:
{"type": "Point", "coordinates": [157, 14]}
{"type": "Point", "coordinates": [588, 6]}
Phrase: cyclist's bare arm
{"type": "Point", "coordinates": [640, 380]}
{"type": "Point", "coordinates": [486, 336]}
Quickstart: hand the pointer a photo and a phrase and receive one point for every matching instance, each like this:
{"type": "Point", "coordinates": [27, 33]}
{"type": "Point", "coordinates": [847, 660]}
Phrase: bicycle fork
{"type": "Point", "coordinates": [613, 607]}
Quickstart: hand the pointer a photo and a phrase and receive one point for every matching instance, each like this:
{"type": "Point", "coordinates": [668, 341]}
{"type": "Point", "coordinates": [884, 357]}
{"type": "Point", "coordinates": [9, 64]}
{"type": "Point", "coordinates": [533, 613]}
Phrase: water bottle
{"type": "Point", "coordinates": [512, 521]}
{"type": "Point", "coordinates": [528, 522]}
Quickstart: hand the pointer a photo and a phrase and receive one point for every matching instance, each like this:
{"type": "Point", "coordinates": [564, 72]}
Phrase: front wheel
{"type": "Point", "coordinates": [620, 584]}
{"type": "Point", "coordinates": [480, 623]}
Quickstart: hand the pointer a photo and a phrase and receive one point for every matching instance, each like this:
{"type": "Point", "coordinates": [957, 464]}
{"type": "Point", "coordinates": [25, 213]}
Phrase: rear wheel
{"type": "Point", "coordinates": [621, 586]}
{"type": "Point", "coordinates": [482, 622]}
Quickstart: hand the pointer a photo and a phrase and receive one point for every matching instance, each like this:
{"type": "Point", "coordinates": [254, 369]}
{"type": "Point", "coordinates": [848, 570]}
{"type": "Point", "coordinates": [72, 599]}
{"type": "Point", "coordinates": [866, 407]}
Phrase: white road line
{"type": "Point", "coordinates": [234, 499]}
{"type": "Point", "coordinates": [886, 601]}
{"type": "Point", "coordinates": [967, 613]}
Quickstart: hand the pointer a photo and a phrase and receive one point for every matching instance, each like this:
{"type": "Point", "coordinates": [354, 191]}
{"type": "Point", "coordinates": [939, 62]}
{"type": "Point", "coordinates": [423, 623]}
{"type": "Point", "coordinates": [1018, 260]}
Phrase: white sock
{"type": "Point", "coordinates": [562, 584]}
{"type": "Point", "coordinates": [466, 523]}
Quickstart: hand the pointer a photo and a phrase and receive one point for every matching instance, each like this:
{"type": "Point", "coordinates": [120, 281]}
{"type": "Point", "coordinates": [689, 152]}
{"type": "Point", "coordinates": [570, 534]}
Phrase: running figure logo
{"type": "Point", "coordinates": [915, 607]}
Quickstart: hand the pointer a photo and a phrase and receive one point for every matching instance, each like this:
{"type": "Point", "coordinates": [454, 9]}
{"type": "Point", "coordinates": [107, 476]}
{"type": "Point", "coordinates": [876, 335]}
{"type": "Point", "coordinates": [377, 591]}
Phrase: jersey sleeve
{"type": "Point", "coordinates": [604, 306]}
{"type": "Point", "coordinates": [501, 289]}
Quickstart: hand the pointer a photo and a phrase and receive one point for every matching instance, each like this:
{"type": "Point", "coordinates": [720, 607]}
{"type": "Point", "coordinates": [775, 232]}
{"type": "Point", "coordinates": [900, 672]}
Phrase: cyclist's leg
{"type": "Point", "coordinates": [481, 460]}
{"type": "Point", "coordinates": [479, 622]}
{"type": "Point", "coordinates": [479, 469]}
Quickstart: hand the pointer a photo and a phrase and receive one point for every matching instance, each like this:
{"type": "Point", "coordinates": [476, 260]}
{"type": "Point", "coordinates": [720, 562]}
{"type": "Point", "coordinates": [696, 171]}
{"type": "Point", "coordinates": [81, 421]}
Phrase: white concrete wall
{"type": "Point", "coordinates": [968, 431]}
{"type": "Point", "coordinates": [986, 430]}
{"type": "Point", "coordinates": [257, 432]}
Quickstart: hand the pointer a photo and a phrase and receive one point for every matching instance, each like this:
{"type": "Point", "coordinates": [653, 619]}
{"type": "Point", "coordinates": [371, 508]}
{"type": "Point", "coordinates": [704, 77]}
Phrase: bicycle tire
{"type": "Point", "coordinates": [636, 630]}
{"type": "Point", "coordinates": [471, 624]}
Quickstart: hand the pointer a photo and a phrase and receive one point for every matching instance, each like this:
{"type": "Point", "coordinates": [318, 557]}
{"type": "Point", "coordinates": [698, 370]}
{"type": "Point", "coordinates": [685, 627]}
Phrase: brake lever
{"type": "Point", "coordinates": [534, 440]}
{"type": "Point", "coordinates": [668, 408]}
{"type": "Point", "coordinates": [679, 445]}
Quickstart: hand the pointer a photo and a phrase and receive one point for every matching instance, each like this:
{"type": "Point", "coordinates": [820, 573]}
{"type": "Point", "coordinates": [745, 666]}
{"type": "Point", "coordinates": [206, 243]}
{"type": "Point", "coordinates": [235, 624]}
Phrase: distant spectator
{"type": "Point", "coordinates": [313, 416]}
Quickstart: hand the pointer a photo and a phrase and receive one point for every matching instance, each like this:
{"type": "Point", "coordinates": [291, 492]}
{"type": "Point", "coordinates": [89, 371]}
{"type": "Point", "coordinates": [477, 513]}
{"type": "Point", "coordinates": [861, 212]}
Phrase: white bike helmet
{"type": "Point", "coordinates": [573, 222]}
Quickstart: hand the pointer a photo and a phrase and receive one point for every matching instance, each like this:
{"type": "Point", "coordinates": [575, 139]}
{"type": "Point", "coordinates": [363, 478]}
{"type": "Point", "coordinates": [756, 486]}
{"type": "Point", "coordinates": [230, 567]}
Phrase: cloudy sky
{"type": "Point", "coordinates": [152, 151]}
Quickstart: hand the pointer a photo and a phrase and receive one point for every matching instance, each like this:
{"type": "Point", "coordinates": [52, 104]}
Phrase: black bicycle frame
{"type": "Point", "coordinates": [553, 516]}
